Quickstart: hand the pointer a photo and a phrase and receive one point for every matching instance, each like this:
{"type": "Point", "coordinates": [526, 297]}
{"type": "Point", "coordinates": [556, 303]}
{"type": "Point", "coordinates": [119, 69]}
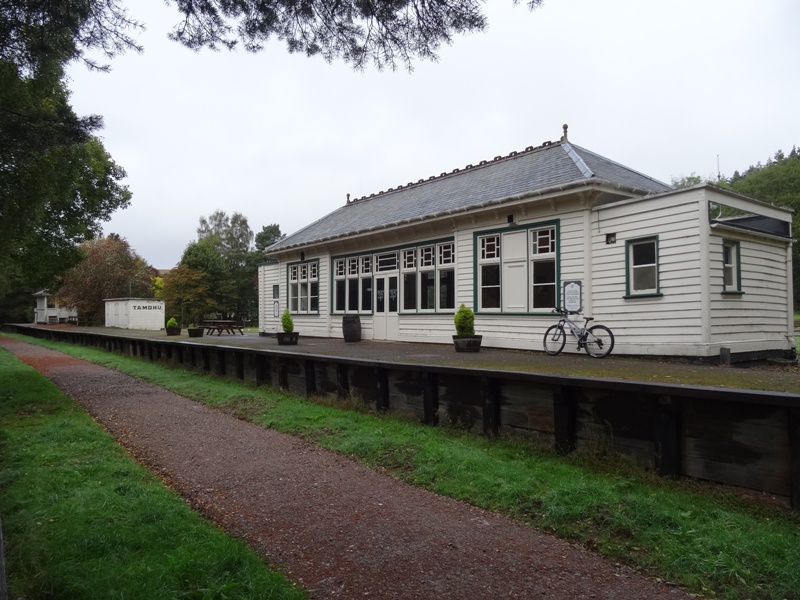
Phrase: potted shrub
{"type": "Point", "coordinates": [465, 339]}
{"type": "Point", "coordinates": [288, 337]}
{"type": "Point", "coordinates": [194, 331]}
{"type": "Point", "coordinates": [172, 327]}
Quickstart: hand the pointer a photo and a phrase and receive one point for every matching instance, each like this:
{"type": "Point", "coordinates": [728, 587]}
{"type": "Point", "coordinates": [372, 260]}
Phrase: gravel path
{"type": "Point", "coordinates": [339, 529]}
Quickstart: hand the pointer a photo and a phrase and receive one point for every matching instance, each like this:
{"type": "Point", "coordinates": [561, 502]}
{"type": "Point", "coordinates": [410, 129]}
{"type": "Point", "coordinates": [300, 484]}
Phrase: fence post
{"type": "Point", "coordinates": [667, 438]}
{"type": "Point", "coordinates": [565, 409]}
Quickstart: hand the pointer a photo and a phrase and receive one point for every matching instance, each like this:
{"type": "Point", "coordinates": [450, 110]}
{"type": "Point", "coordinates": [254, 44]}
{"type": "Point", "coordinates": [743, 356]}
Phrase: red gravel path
{"type": "Point", "coordinates": [339, 529]}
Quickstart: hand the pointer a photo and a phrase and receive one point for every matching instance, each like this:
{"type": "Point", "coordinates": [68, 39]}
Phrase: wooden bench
{"type": "Point", "coordinates": [222, 326]}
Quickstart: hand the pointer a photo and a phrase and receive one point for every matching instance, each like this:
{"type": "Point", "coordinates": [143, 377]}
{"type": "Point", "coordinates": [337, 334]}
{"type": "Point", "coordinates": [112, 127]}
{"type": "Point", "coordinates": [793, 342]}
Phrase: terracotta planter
{"type": "Point", "coordinates": [287, 339]}
{"type": "Point", "coordinates": [467, 343]}
{"type": "Point", "coordinates": [195, 331]}
{"type": "Point", "coordinates": [173, 330]}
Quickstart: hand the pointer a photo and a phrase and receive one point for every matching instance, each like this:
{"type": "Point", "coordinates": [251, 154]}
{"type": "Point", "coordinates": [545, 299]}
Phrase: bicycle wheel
{"type": "Point", "coordinates": [599, 341]}
{"type": "Point", "coordinates": [554, 340]}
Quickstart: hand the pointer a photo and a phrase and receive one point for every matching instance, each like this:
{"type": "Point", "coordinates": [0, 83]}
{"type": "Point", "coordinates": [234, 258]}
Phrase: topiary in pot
{"type": "Point", "coordinates": [288, 337]}
{"type": "Point", "coordinates": [172, 327]}
{"type": "Point", "coordinates": [465, 339]}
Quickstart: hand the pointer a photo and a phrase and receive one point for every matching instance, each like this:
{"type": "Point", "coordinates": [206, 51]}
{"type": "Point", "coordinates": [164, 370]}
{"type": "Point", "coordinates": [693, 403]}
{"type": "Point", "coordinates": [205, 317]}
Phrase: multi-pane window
{"type": "Point", "coordinates": [543, 268]}
{"type": "Point", "coordinates": [489, 272]}
{"type": "Point", "coordinates": [517, 270]}
{"type": "Point", "coordinates": [428, 278]}
{"type": "Point", "coordinates": [304, 287]}
{"type": "Point", "coordinates": [642, 259]}
{"type": "Point", "coordinates": [352, 284]}
{"type": "Point", "coordinates": [731, 280]}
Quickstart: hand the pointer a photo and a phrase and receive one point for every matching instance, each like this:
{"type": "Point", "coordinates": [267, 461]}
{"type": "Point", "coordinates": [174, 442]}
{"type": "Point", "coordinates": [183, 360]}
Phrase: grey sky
{"type": "Point", "coordinates": [663, 88]}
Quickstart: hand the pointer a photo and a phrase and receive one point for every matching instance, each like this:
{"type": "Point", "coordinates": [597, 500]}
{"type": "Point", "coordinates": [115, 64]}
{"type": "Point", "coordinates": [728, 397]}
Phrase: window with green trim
{"type": "Point", "coordinates": [517, 269]}
{"type": "Point", "coordinates": [642, 261]}
{"type": "Point", "coordinates": [731, 271]}
{"type": "Point", "coordinates": [304, 287]}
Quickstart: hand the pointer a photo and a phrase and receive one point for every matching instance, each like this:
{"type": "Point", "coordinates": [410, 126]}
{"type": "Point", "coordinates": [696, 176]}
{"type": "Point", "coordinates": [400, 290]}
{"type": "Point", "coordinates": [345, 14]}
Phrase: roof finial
{"type": "Point", "coordinates": [564, 137]}
{"type": "Point", "coordinates": [348, 198]}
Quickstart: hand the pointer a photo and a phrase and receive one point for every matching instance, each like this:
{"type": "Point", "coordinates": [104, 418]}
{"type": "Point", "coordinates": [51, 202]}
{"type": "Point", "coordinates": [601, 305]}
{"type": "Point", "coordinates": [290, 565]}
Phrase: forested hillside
{"type": "Point", "coordinates": [776, 181]}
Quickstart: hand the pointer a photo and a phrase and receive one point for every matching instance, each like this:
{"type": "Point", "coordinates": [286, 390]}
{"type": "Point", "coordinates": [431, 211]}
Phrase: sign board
{"type": "Point", "coordinates": [276, 310]}
{"type": "Point", "coordinates": [573, 295]}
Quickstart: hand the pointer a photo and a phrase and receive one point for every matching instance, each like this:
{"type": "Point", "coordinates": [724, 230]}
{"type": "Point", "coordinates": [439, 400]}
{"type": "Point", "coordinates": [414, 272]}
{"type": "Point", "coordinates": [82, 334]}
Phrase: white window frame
{"type": "Point", "coordinates": [542, 246]}
{"type": "Point", "coordinates": [731, 267]}
{"type": "Point", "coordinates": [632, 269]}
{"type": "Point", "coordinates": [303, 287]}
{"type": "Point", "coordinates": [432, 260]}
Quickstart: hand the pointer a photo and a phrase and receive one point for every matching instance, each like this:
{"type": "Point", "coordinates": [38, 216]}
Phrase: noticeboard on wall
{"type": "Point", "coordinates": [573, 295]}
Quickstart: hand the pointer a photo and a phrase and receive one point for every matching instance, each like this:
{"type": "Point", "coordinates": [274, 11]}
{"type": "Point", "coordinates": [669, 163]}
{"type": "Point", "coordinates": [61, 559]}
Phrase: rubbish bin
{"type": "Point", "coordinates": [351, 328]}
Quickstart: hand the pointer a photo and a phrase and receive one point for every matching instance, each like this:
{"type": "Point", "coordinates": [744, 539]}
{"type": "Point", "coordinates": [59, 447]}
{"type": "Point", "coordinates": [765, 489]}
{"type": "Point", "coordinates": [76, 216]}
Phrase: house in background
{"type": "Point", "coordinates": [48, 312]}
{"type": "Point", "coordinates": [672, 272]}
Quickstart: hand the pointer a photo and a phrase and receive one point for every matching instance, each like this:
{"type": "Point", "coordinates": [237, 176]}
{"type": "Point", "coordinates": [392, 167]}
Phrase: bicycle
{"type": "Point", "coordinates": [598, 341]}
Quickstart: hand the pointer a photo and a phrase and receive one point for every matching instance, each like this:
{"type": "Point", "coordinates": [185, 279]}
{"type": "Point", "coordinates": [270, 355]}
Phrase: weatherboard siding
{"type": "Point", "coordinates": [765, 288]}
{"type": "Point", "coordinates": [650, 325]}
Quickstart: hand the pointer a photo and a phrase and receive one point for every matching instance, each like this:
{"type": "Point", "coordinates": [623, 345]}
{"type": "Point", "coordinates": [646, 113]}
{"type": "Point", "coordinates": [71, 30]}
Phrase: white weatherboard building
{"type": "Point", "coordinates": [135, 313]}
{"type": "Point", "coordinates": [672, 272]}
{"type": "Point", "coordinates": [47, 311]}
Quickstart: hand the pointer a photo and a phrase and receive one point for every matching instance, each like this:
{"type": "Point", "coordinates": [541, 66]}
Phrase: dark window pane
{"type": "Point", "coordinates": [340, 295]}
{"type": "Point", "coordinates": [447, 289]}
{"type": "Point", "coordinates": [410, 291]}
{"type": "Point", "coordinates": [315, 297]}
{"type": "Point", "coordinates": [427, 286]}
{"type": "Point", "coordinates": [544, 296]}
{"type": "Point", "coordinates": [352, 295]}
{"type": "Point", "coordinates": [644, 278]}
{"type": "Point", "coordinates": [490, 275]}
{"type": "Point", "coordinates": [644, 253]}
{"type": "Point", "coordinates": [490, 297]}
{"type": "Point", "coordinates": [366, 294]}
{"type": "Point", "coordinates": [544, 272]}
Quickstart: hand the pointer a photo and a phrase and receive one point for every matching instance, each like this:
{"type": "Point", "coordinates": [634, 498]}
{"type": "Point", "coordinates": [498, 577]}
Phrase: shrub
{"type": "Point", "coordinates": [286, 322]}
{"type": "Point", "coordinates": [465, 321]}
{"type": "Point", "coordinates": [172, 322]}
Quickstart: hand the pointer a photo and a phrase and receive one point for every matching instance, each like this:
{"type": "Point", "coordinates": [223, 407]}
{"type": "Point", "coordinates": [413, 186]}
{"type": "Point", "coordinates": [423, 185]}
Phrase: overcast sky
{"type": "Point", "coordinates": [666, 88]}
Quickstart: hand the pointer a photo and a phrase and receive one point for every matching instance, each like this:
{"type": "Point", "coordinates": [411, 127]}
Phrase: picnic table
{"type": "Point", "coordinates": [222, 326]}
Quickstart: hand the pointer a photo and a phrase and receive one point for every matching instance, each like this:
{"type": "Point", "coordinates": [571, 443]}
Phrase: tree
{"type": "Point", "coordinates": [109, 268]}
{"type": "Point", "coordinates": [385, 32]}
{"type": "Point", "coordinates": [57, 183]}
{"type": "Point", "coordinates": [33, 32]}
{"type": "Point", "coordinates": [687, 181]}
{"type": "Point", "coordinates": [188, 294]}
{"type": "Point", "coordinates": [232, 236]}
{"type": "Point", "coordinates": [778, 181]}
{"type": "Point", "coordinates": [268, 235]}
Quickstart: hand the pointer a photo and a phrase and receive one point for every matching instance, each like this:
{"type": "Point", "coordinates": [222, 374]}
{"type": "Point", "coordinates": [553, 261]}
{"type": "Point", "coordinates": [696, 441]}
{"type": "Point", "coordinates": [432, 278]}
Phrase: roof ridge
{"type": "Point", "coordinates": [620, 165]}
{"type": "Point", "coordinates": [576, 158]}
{"type": "Point", "coordinates": [456, 171]}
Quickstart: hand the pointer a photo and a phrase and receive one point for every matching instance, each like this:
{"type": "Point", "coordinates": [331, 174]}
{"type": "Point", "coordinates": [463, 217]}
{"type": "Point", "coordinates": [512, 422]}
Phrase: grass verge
{"type": "Point", "coordinates": [714, 543]}
{"type": "Point", "coordinates": [82, 520]}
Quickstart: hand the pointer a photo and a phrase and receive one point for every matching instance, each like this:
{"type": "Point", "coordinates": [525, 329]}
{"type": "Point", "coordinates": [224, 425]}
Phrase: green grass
{"type": "Point", "coordinates": [714, 543]}
{"type": "Point", "coordinates": [82, 520]}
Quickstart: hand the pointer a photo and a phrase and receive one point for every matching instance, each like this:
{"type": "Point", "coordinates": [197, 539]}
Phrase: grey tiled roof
{"type": "Point", "coordinates": [532, 171]}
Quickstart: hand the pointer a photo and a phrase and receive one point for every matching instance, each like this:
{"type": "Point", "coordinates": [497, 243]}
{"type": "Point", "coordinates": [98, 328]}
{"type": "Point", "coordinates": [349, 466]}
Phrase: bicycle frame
{"type": "Point", "coordinates": [577, 331]}
{"type": "Point", "coordinates": [597, 340]}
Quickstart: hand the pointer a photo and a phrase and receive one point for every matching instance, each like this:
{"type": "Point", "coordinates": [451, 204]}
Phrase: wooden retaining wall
{"type": "Point", "coordinates": [737, 437]}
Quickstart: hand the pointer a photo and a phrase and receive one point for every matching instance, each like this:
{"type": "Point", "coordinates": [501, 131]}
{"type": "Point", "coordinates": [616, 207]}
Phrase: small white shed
{"type": "Point", "coordinates": [47, 311]}
{"type": "Point", "coordinates": [135, 313]}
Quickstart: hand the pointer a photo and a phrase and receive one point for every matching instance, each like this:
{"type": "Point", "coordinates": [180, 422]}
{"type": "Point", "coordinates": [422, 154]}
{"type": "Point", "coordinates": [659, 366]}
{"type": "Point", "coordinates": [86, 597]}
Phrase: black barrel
{"type": "Point", "coordinates": [351, 328]}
